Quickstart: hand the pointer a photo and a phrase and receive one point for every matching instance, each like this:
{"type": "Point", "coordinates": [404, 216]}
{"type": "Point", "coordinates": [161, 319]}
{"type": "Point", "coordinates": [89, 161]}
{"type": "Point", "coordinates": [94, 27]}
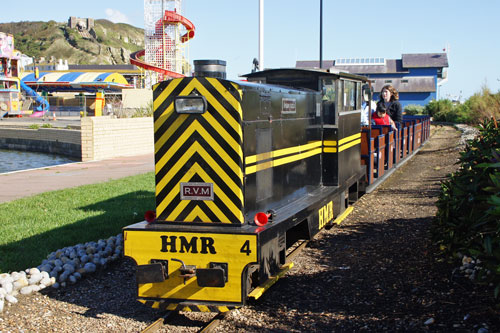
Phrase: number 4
{"type": "Point", "coordinates": [246, 248]}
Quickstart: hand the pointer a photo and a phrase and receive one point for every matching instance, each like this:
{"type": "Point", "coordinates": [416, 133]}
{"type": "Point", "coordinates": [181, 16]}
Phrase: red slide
{"type": "Point", "coordinates": [170, 17]}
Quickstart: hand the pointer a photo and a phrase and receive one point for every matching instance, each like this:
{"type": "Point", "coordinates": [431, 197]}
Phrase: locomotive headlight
{"type": "Point", "coordinates": [190, 104]}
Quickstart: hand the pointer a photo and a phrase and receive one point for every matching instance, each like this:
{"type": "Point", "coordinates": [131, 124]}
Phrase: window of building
{"type": "Point", "coordinates": [360, 61]}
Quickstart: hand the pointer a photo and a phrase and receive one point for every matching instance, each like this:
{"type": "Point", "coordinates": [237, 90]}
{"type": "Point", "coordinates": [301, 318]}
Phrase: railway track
{"type": "Point", "coordinates": [164, 320]}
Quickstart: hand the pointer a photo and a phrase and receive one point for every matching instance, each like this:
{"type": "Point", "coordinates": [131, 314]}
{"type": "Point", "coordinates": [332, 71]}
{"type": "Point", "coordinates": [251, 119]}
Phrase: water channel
{"type": "Point", "coordinates": [12, 160]}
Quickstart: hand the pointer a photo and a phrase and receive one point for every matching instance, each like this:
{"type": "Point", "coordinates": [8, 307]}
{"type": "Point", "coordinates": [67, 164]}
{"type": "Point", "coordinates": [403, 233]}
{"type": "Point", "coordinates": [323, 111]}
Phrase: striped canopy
{"type": "Point", "coordinates": [76, 81]}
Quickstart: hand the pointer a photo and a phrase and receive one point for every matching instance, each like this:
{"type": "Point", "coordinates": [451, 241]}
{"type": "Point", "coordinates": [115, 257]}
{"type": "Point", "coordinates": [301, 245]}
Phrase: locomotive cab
{"type": "Point", "coordinates": [243, 171]}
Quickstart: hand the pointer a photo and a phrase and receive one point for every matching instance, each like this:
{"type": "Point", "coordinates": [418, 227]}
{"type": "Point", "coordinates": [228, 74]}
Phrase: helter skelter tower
{"type": "Point", "coordinates": [166, 34]}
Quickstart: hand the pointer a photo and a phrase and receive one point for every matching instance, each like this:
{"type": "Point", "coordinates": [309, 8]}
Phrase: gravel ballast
{"type": "Point", "coordinates": [377, 271]}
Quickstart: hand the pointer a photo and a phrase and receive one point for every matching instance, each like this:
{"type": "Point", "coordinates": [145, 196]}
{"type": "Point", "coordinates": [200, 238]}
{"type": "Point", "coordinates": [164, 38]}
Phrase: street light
{"type": "Point", "coordinates": [320, 34]}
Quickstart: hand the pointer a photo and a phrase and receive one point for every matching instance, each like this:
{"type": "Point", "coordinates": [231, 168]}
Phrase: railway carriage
{"type": "Point", "coordinates": [244, 170]}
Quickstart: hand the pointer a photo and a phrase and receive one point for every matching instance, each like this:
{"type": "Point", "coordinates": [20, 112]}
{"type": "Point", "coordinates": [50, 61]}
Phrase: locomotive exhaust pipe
{"type": "Point", "coordinates": [210, 68]}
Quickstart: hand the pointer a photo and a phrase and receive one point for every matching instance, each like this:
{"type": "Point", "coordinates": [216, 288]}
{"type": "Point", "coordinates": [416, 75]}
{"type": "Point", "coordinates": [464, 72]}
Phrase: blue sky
{"type": "Point", "coordinates": [228, 30]}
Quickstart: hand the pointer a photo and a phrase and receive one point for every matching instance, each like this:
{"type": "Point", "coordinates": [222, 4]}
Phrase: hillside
{"type": "Point", "coordinates": [107, 42]}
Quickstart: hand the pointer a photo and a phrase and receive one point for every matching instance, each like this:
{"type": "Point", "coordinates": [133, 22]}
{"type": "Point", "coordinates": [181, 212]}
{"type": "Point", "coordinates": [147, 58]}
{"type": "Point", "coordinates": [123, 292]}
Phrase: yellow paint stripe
{"type": "Point", "coordinates": [170, 108]}
{"type": "Point", "coordinates": [222, 195]}
{"type": "Point", "coordinates": [238, 89]}
{"type": "Point", "coordinates": [163, 96]}
{"type": "Point", "coordinates": [195, 126]}
{"type": "Point", "coordinates": [215, 103]}
{"type": "Point", "coordinates": [281, 161]}
{"type": "Point", "coordinates": [203, 308]}
{"type": "Point", "coordinates": [342, 216]}
{"type": "Point", "coordinates": [186, 309]}
{"type": "Point", "coordinates": [329, 150]}
{"type": "Point", "coordinates": [197, 212]}
{"type": "Point", "coordinates": [220, 172]}
{"type": "Point", "coordinates": [290, 159]}
{"type": "Point", "coordinates": [223, 308]}
{"type": "Point", "coordinates": [349, 145]}
{"type": "Point", "coordinates": [196, 169]}
{"type": "Point", "coordinates": [257, 292]}
{"type": "Point", "coordinates": [196, 147]}
{"type": "Point", "coordinates": [172, 306]}
{"type": "Point", "coordinates": [178, 209]}
{"type": "Point", "coordinates": [170, 131]}
{"type": "Point", "coordinates": [349, 138]}
{"type": "Point", "coordinates": [281, 152]}
{"type": "Point", "coordinates": [330, 143]}
{"type": "Point", "coordinates": [225, 93]}
{"type": "Point", "coordinates": [225, 135]}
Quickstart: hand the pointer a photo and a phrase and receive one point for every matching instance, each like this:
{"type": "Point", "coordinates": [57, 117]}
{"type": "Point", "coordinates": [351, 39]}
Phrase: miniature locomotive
{"type": "Point", "coordinates": [244, 170]}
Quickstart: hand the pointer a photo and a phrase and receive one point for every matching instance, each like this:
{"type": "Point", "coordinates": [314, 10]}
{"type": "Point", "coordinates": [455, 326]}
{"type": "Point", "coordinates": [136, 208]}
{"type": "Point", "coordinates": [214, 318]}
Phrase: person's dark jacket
{"type": "Point", "coordinates": [395, 111]}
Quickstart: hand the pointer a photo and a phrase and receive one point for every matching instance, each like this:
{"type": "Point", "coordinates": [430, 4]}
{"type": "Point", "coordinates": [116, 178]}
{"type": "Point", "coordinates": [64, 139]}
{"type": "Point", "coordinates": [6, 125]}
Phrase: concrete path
{"type": "Point", "coordinates": [25, 183]}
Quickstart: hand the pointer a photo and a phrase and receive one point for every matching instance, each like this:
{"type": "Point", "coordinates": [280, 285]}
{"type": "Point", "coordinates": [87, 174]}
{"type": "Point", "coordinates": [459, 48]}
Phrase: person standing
{"type": "Point", "coordinates": [389, 98]}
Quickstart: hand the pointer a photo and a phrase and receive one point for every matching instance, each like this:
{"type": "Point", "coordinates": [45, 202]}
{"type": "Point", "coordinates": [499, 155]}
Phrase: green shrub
{"type": "Point", "coordinates": [34, 126]}
{"type": "Point", "coordinates": [47, 126]}
{"type": "Point", "coordinates": [481, 106]}
{"type": "Point", "coordinates": [468, 217]}
{"type": "Point", "coordinates": [439, 108]}
{"type": "Point", "coordinates": [413, 109]}
{"type": "Point", "coordinates": [484, 105]}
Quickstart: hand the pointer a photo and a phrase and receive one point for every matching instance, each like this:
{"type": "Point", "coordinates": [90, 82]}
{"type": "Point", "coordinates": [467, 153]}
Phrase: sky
{"type": "Point", "coordinates": [228, 30]}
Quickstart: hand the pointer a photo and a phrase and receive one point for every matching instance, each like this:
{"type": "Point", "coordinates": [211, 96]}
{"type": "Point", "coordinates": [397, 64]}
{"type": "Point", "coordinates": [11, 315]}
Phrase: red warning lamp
{"type": "Point", "coordinates": [150, 216]}
{"type": "Point", "coordinates": [261, 219]}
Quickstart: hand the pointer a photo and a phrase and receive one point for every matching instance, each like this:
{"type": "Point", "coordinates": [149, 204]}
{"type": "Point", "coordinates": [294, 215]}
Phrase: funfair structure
{"type": "Point", "coordinates": [166, 33]}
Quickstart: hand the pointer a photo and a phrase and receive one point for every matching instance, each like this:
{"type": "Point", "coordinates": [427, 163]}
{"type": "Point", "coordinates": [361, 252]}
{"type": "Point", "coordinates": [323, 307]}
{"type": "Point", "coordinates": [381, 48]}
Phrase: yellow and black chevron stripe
{"type": "Point", "coordinates": [187, 308]}
{"type": "Point", "coordinates": [332, 146]}
{"type": "Point", "coordinates": [279, 157]}
{"type": "Point", "coordinates": [203, 148]}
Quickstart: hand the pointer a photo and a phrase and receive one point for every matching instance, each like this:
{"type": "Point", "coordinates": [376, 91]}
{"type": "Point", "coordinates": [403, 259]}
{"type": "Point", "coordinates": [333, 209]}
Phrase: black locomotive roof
{"type": "Point", "coordinates": [307, 78]}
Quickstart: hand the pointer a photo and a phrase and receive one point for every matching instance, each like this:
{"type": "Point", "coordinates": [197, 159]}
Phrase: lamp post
{"type": "Point", "coordinates": [261, 35]}
{"type": "Point", "coordinates": [320, 34]}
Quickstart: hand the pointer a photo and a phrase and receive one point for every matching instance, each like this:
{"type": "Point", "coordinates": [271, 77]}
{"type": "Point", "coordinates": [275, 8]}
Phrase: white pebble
{"type": "Point", "coordinates": [6, 280]}
{"type": "Point", "coordinates": [18, 275]}
{"type": "Point", "coordinates": [11, 299]}
{"type": "Point", "coordinates": [22, 282]}
{"type": "Point", "coordinates": [46, 281]}
{"type": "Point", "coordinates": [26, 290]}
{"type": "Point", "coordinates": [8, 287]}
{"type": "Point", "coordinates": [35, 278]}
{"type": "Point", "coordinates": [33, 271]}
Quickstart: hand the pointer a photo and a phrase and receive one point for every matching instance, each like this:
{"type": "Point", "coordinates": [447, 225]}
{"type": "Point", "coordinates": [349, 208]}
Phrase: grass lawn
{"type": "Point", "coordinates": [31, 228]}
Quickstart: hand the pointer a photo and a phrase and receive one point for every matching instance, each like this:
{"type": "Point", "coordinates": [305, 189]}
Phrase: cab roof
{"type": "Point", "coordinates": [297, 77]}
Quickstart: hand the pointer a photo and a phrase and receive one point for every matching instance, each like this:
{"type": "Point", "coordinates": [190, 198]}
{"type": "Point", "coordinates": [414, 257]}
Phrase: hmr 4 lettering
{"type": "Point", "coordinates": [325, 214]}
{"type": "Point", "coordinates": [181, 244]}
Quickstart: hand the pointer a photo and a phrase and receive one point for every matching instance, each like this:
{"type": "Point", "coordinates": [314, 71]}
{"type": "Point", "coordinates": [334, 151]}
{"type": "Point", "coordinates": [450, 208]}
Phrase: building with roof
{"type": "Point", "coordinates": [90, 82]}
{"type": "Point", "coordinates": [416, 76]}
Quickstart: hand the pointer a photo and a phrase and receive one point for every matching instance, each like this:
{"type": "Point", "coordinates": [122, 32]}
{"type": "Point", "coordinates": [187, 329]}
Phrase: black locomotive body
{"type": "Point", "coordinates": [244, 170]}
